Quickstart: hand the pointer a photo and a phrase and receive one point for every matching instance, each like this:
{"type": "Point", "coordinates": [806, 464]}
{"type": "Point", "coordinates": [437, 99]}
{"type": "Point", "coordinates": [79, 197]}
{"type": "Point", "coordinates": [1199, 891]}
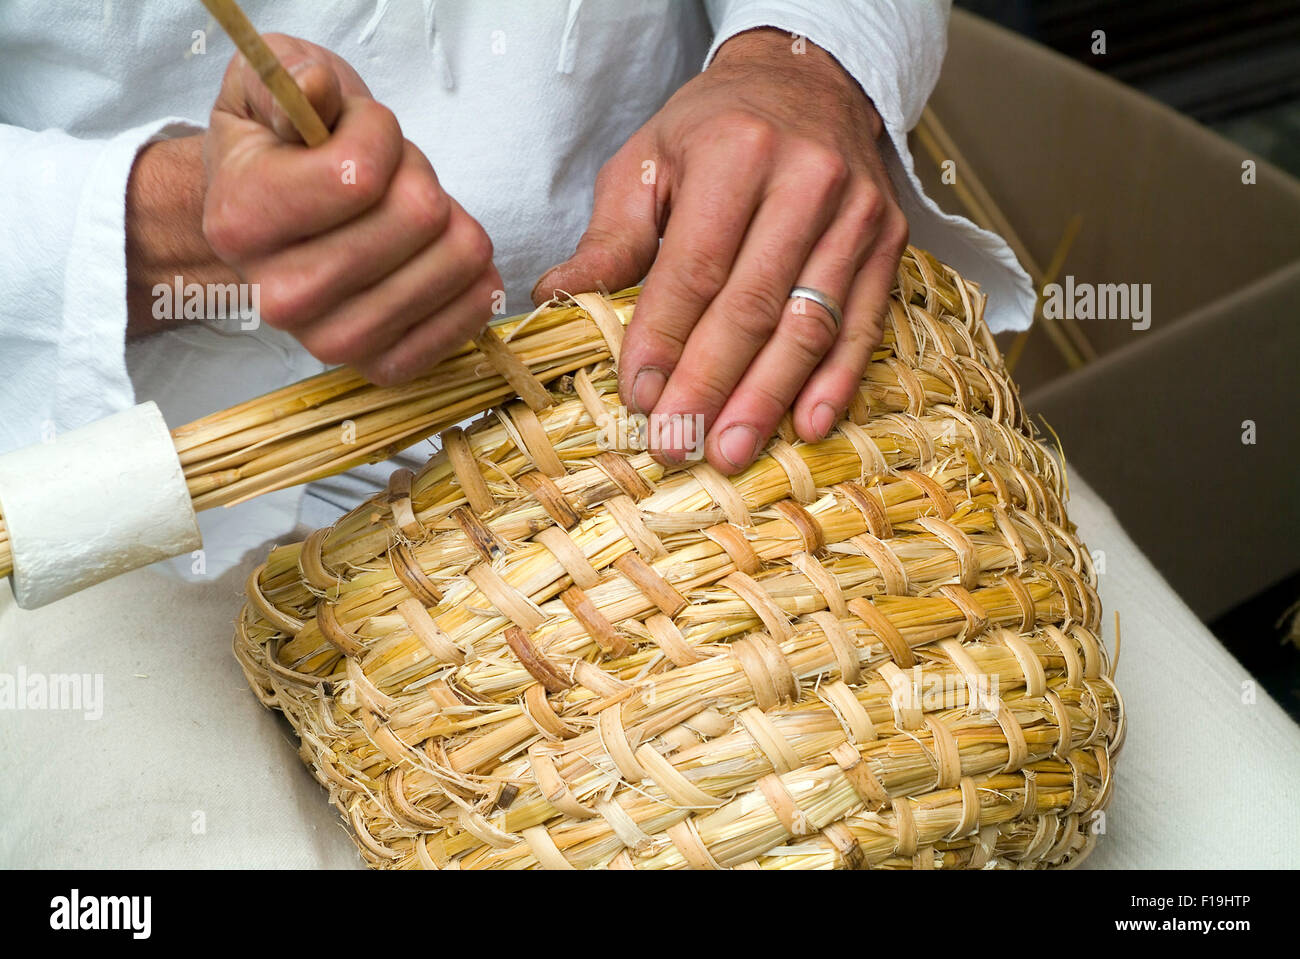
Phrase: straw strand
{"type": "Point", "coordinates": [880, 650]}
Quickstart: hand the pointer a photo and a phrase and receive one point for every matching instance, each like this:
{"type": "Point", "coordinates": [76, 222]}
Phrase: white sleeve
{"type": "Point", "coordinates": [63, 277]}
{"type": "Point", "coordinates": [895, 49]}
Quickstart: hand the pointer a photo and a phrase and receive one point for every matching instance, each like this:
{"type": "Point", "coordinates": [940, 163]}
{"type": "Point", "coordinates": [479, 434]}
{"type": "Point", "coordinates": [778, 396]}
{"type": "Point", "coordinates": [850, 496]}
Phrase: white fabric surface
{"type": "Point", "coordinates": [516, 102]}
{"type": "Point", "coordinates": [1204, 780]}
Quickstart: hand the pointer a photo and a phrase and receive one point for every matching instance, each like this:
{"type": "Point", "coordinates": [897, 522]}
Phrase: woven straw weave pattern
{"type": "Point", "coordinates": [881, 650]}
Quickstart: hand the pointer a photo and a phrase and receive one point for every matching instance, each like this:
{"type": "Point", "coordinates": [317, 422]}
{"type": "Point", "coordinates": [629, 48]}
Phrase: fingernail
{"type": "Point", "coordinates": [300, 66]}
{"type": "Point", "coordinates": [647, 388]}
{"type": "Point", "coordinates": [823, 418]}
{"type": "Point", "coordinates": [738, 444]}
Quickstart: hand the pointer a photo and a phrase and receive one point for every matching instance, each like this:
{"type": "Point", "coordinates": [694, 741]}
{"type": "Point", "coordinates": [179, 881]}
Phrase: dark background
{"type": "Point", "coordinates": [1234, 65]}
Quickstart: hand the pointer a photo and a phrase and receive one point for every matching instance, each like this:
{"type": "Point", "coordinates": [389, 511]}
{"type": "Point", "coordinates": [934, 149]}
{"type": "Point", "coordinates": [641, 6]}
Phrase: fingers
{"type": "Point", "coordinates": [354, 245]}
{"type": "Point", "coordinates": [308, 279]}
{"type": "Point", "coordinates": [263, 194]}
{"type": "Point", "coordinates": [802, 336]}
{"type": "Point", "coordinates": [622, 237]}
{"type": "Point", "coordinates": [318, 82]}
{"type": "Point", "coordinates": [323, 77]}
{"type": "Point", "coordinates": [826, 396]}
{"type": "Point", "coordinates": [437, 335]}
{"type": "Point", "coordinates": [367, 330]}
{"type": "Point", "coordinates": [742, 318]}
{"type": "Point", "coordinates": [710, 216]}
{"type": "Point", "coordinates": [265, 190]}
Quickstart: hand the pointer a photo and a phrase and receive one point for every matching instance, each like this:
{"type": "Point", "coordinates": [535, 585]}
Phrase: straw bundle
{"type": "Point", "coordinates": [877, 650]}
{"type": "Point", "coordinates": [329, 423]}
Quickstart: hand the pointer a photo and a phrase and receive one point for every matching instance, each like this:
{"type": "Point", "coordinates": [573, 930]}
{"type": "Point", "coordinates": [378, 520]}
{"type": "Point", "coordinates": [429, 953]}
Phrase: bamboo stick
{"type": "Point", "coordinates": [336, 420]}
{"type": "Point", "coordinates": [224, 455]}
{"type": "Point", "coordinates": [1069, 340]}
{"type": "Point", "coordinates": [1054, 267]}
{"type": "Point", "coordinates": [282, 86]}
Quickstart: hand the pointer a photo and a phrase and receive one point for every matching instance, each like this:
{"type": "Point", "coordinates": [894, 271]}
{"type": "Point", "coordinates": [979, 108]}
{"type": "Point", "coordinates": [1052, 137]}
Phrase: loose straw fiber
{"type": "Point", "coordinates": [880, 650]}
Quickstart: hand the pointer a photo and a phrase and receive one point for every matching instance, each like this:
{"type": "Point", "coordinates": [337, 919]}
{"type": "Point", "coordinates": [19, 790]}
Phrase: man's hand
{"type": "Point", "coordinates": [358, 251]}
{"type": "Point", "coordinates": [761, 174]}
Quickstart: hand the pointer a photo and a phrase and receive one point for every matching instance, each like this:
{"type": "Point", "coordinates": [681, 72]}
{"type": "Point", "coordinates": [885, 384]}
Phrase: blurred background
{"type": "Point", "coordinates": [1233, 65]}
{"type": "Point", "coordinates": [1153, 143]}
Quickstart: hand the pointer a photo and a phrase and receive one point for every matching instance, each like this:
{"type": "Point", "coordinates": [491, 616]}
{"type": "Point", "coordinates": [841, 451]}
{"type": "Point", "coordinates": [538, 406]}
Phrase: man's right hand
{"type": "Point", "coordinates": [358, 251]}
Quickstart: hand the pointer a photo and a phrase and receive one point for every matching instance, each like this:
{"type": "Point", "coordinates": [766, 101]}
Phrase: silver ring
{"type": "Point", "coordinates": [822, 300]}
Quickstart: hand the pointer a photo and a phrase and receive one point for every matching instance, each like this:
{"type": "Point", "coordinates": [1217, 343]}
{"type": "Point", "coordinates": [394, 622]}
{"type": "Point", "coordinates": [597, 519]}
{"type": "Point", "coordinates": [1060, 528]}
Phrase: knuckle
{"type": "Point", "coordinates": [861, 339]}
{"type": "Point", "coordinates": [618, 177]}
{"type": "Point", "coordinates": [757, 308]}
{"type": "Point", "coordinates": [284, 303]}
{"type": "Point", "coordinates": [706, 394]}
{"type": "Point", "coordinates": [659, 344]}
{"type": "Point", "coordinates": [766, 399]}
{"type": "Point", "coordinates": [376, 371]}
{"type": "Point", "coordinates": [899, 235]}
{"type": "Point", "coordinates": [425, 207]}
{"type": "Point", "coordinates": [616, 246]}
{"type": "Point", "coordinates": [478, 247]}
{"type": "Point", "coordinates": [232, 69]}
{"type": "Point", "coordinates": [222, 233]}
{"type": "Point", "coordinates": [862, 334]}
{"type": "Point", "coordinates": [395, 365]}
{"type": "Point", "coordinates": [229, 229]}
{"type": "Point", "coordinates": [370, 184]}
{"type": "Point", "coordinates": [824, 165]}
{"type": "Point", "coordinates": [869, 207]}
{"type": "Point", "coordinates": [385, 372]}
{"type": "Point", "coordinates": [486, 288]}
{"type": "Point", "coordinates": [463, 331]}
{"type": "Point", "coordinates": [597, 234]}
{"type": "Point", "coordinates": [339, 346]}
{"type": "Point", "coordinates": [845, 265]}
{"type": "Point", "coordinates": [283, 45]}
{"type": "Point", "coordinates": [372, 372]}
{"type": "Point", "coordinates": [477, 306]}
{"type": "Point", "coordinates": [408, 361]}
{"type": "Point", "coordinates": [609, 177]}
{"type": "Point", "coordinates": [387, 129]}
{"type": "Point", "coordinates": [467, 243]}
{"type": "Point", "coordinates": [810, 334]}
{"type": "Point", "coordinates": [374, 149]}
{"type": "Point", "coordinates": [700, 278]}
{"type": "Point", "coordinates": [770, 404]}
{"type": "Point", "coordinates": [747, 131]}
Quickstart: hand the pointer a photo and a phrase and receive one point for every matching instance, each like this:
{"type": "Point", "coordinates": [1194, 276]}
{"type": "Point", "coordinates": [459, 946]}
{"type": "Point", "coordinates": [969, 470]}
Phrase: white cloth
{"type": "Point", "coordinates": [517, 104]}
{"type": "Point", "coordinates": [186, 768]}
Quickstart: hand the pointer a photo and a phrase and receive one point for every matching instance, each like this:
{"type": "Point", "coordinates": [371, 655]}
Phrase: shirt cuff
{"type": "Point", "coordinates": [90, 375]}
{"type": "Point", "coordinates": [894, 52]}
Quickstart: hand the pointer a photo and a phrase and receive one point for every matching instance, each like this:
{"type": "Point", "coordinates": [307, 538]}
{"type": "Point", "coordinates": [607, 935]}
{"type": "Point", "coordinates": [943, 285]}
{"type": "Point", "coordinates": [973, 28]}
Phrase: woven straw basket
{"type": "Point", "coordinates": [881, 650]}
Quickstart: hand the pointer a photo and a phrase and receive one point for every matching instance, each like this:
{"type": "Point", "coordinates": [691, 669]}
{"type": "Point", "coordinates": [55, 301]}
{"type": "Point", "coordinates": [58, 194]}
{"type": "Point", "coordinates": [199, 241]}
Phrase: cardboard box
{"type": "Point", "coordinates": [1187, 427]}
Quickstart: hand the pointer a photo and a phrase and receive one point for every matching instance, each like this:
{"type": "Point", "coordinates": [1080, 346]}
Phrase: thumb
{"type": "Point", "coordinates": [620, 242]}
{"type": "Point", "coordinates": [314, 69]}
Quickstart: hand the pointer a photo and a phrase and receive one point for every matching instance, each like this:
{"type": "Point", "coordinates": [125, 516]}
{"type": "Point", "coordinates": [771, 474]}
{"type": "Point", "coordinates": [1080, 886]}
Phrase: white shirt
{"type": "Point", "coordinates": [517, 103]}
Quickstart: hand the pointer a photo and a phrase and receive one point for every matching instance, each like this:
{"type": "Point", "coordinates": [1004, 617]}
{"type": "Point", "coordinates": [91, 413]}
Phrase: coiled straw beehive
{"type": "Point", "coordinates": [880, 650]}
